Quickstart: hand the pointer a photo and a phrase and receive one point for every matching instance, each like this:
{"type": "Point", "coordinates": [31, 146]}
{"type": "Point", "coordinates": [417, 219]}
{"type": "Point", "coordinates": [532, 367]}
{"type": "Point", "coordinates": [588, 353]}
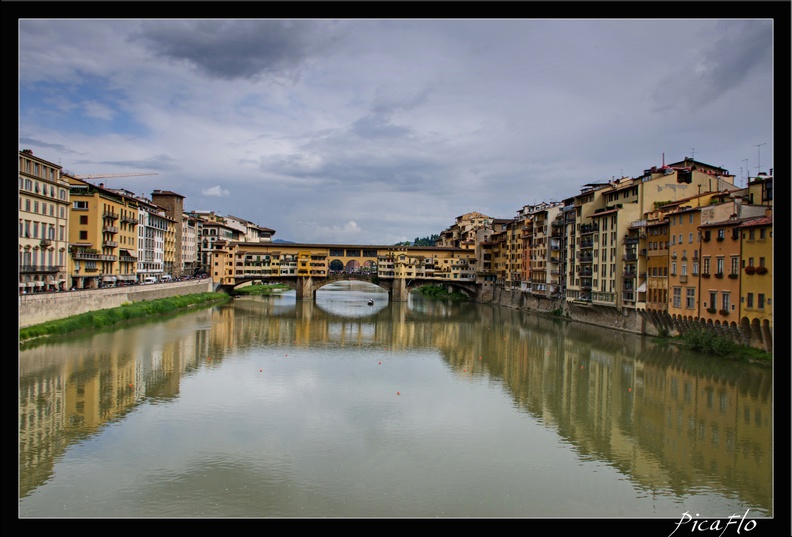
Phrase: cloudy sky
{"type": "Point", "coordinates": [383, 130]}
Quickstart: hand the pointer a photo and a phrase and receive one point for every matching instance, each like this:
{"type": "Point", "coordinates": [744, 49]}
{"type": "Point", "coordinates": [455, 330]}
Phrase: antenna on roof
{"type": "Point", "coordinates": [758, 159]}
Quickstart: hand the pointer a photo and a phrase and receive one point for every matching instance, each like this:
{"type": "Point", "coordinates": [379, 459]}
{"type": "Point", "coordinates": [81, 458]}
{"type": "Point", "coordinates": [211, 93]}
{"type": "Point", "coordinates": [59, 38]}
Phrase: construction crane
{"type": "Point", "coordinates": [108, 175]}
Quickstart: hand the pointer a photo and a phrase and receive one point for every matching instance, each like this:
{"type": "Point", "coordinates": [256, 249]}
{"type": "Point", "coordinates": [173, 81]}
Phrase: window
{"type": "Point", "coordinates": [83, 219]}
{"type": "Point", "coordinates": [725, 301]}
{"type": "Point", "coordinates": [690, 298]}
{"type": "Point", "coordinates": [83, 235]}
{"type": "Point", "coordinates": [762, 233]}
{"type": "Point", "coordinates": [761, 261]}
{"type": "Point", "coordinates": [719, 268]}
{"type": "Point", "coordinates": [751, 234]}
{"type": "Point", "coordinates": [690, 236]}
{"type": "Point", "coordinates": [749, 300]}
{"type": "Point", "coordinates": [695, 268]}
{"type": "Point", "coordinates": [677, 297]}
{"type": "Point", "coordinates": [735, 264]}
{"type": "Point", "coordinates": [721, 234]}
{"type": "Point", "coordinates": [684, 269]}
{"type": "Point", "coordinates": [673, 268]}
{"type": "Point", "coordinates": [680, 238]}
{"type": "Point", "coordinates": [690, 219]}
{"type": "Point", "coordinates": [761, 301]}
{"type": "Point", "coordinates": [706, 236]}
{"type": "Point", "coordinates": [713, 299]}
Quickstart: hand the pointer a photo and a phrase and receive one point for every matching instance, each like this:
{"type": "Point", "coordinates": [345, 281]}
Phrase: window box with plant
{"type": "Point", "coordinates": [720, 239]}
{"type": "Point", "coordinates": [750, 269]}
{"type": "Point", "coordinates": [711, 310]}
{"type": "Point", "coordinates": [761, 270]}
{"type": "Point", "coordinates": [724, 312]}
{"type": "Point", "coordinates": [733, 276]}
{"type": "Point", "coordinates": [705, 274]}
{"type": "Point", "coordinates": [719, 275]}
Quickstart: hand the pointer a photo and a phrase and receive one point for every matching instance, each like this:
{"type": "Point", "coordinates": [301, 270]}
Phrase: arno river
{"type": "Point", "coordinates": [278, 408]}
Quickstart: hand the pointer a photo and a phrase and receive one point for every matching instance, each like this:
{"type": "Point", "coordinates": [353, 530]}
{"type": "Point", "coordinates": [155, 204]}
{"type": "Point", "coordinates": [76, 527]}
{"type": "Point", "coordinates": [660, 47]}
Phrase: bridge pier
{"type": "Point", "coordinates": [398, 290]}
{"type": "Point", "coordinates": [305, 288]}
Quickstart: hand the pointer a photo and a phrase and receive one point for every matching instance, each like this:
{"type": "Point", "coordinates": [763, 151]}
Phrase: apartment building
{"type": "Point", "coordinates": [156, 242]}
{"type": "Point", "coordinates": [756, 278]}
{"type": "Point", "coordinates": [43, 225]}
{"type": "Point", "coordinates": [173, 205]}
{"type": "Point", "coordinates": [656, 293]}
{"type": "Point", "coordinates": [102, 235]}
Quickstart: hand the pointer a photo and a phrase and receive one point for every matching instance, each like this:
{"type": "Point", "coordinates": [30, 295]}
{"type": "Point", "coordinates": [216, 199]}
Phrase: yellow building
{"type": "Point", "coordinates": [43, 225]}
{"type": "Point", "coordinates": [756, 277]}
{"type": "Point", "coordinates": [657, 263]}
{"type": "Point", "coordinates": [102, 235]}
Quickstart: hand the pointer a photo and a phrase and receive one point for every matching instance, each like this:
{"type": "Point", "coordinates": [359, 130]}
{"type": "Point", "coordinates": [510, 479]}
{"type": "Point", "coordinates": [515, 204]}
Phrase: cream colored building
{"type": "Point", "coordinates": [43, 225]}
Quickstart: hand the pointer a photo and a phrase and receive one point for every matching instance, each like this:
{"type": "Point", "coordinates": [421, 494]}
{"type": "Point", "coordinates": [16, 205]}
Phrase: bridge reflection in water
{"type": "Point", "coordinates": [680, 427]}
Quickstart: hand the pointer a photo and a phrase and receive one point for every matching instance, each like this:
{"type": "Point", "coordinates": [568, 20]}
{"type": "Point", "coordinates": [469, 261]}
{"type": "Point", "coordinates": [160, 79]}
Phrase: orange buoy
{"type": "Point", "coordinates": [398, 393]}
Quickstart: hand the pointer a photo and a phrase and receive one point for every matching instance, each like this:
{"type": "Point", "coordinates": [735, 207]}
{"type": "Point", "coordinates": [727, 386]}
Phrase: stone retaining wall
{"type": "Point", "coordinates": [42, 307]}
{"type": "Point", "coordinates": [647, 323]}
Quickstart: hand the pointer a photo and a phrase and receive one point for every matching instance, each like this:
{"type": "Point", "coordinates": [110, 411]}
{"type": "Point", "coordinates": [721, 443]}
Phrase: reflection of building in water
{"type": "Point", "coordinates": [667, 421]}
{"type": "Point", "coordinates": [62, 401]}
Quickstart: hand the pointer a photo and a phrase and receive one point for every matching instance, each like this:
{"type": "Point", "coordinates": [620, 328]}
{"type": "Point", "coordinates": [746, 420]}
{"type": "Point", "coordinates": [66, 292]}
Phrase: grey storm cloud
{"type": "Point", "coordinates": [233, 49]}
{"type": "Point", "coordinates": [735, 53]}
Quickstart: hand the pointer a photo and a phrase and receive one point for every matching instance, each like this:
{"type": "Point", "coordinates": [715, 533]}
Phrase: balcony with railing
{"type": "Point", "coordinates": [683, 278]}
{"type": "Point", "coordinates": [589, 228]}
{"type": "Point", "coordinates": [110, 215]}
{"type": "Point", "coordinates": [110, 244]}
{"type": "Point", "coordinates": [630, 257]}
{"type": "Point", "coordinates": [39, 268]}
{"type": "Point", "coordinates": [585, 245]}
{"type": "Point", "coordinates": [129, 219]}
{"type": "Point", "coordinates": [110, 229]}
{"type": "Point", "coordinates": [600, 297]}
{"type": "Point", "coordinates": [631, 240]}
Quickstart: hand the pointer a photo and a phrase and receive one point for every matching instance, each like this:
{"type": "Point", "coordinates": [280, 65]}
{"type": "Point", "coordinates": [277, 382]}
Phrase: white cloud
{"type": "Point", "coordinates": [375, 130]}
{"type": "Point", "coordinates": [216, 191]}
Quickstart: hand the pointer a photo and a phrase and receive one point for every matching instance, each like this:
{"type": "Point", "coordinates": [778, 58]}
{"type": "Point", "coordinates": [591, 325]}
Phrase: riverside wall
{"type": "Point", "coordinates": [42, 307]}
{"type": "Point", "coordinates": [641, 322]}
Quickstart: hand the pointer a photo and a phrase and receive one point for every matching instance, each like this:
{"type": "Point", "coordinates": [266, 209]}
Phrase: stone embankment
{"type": "Point", "coordinates": [42, 307]}
{"type": "Point", "coordinates": [626, 320]}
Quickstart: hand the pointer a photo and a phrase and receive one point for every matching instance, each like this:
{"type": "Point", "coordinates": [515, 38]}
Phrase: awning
{"type": "Point", "coordinates": [31, 284]}
{"type": "Point", "coordinates": [22, 284]}
{"type": "Point", "coordinates": [642, 288]}
{"type": "Point", "coordinates": [127, 253]}
{"type": "Point", "coordinates": [109, 279]}
{"type": "Point", "coordinates": [39, 284]}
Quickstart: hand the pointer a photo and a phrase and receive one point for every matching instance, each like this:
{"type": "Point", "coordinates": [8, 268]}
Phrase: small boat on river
{"type": "Point", "coordinates": [371, 302]}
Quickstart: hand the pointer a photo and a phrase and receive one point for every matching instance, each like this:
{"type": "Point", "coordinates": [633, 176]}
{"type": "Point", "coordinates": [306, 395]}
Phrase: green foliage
{"type": "Point", "coordinates": [112, 316]}
{"type": "Point", "coordinates": [705, 341]}
{"type": "Point", "coordinates": [426, 241]}
{"type": "Point", "coordinates": [260, 289]}
{"type": "Point", "coordinates": [558, 312]}
{"type": "Point", "coordinates": [438, 292]}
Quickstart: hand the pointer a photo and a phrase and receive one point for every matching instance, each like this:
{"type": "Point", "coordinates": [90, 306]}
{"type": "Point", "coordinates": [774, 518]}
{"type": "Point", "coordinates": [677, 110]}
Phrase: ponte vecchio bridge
{"type": "Point", "coordinates": [308, 267]}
